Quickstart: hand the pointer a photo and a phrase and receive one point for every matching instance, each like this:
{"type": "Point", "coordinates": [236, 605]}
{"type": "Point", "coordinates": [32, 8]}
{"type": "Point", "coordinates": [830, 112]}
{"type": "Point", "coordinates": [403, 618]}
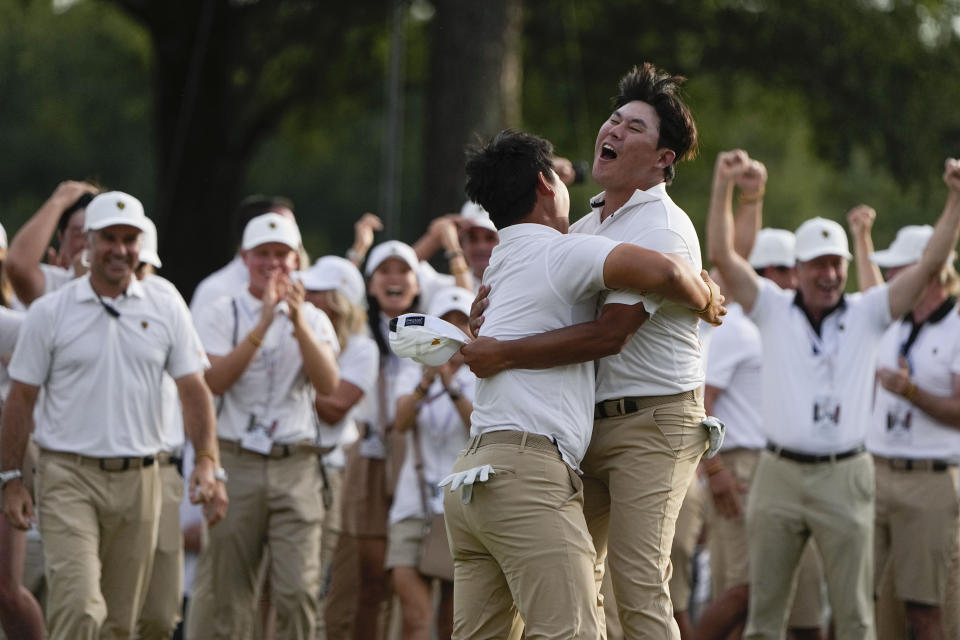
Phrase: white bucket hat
{"type": "Point", "coordinates": [475, 215]}
{"type": "Point", "coordinates": [426, 339]}
{"type": "Point", "coordinates": [821, 237]}
{"type": "Point", "coordinates": [906, 248]}
{"type": "Point", "coordinates": [148, 245]}
{"type": "Point", "coordinates": [774, 248]}
{"type": "Point", "coordinates": [451, 299]}
{"type": "Point", "coordinates": [335, 273]}
{"type": "Point", "coordinates": [114, 207]}
{"type": "Point", "coordinates": [391, 249]}
{"type": "Point", "coordinates": [270, 227]}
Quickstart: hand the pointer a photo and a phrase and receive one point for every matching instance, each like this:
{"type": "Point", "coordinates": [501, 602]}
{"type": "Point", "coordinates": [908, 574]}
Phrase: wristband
{"type": "Point", "coordinates": [354, 256]}
{"type": "Point", "coordinates": [750, 198]}
{"type": "Point", "coordinates": [451, 254]}
{"type": "Point", "coordinates": [454, 394]}
{"type": "Point", "coordinates": [709, 302]}
{"type": "Point", "coordinates": [254, 340]}
{"type": "Point", "coordinates": [910, 391]}
{"type": "Point", "coordinates": [204, 453]}
{"type": "Point", "coordinates": [420, 391]}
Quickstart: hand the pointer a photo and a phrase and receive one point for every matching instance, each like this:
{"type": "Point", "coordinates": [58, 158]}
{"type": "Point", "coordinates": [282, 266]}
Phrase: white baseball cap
{"type": "Point", "coordinates": [270, 227]}
{"type": "Point", "coordinates": [821, 237]}
{"type": "Point", "coordinates": [451, 299]}
{"type": "Point", "coordinates": [336, 273]}
{"type": "Point", "coordinates": [3, 237]}
{"type": "Point", "coordinates": [148, 245]}
{"type": "Point", "coordinates": [114, 207]}
{"type": "Point", "coordinates": [391, 249]}
{"type": "Point", "coordinates": [906, 248]}
{"type": "Point", "coordinates": [773, 248]}
{"type": "Point", "coordinates": [475, 215]}
{"type": "Point", "coordinates": [425, 338]}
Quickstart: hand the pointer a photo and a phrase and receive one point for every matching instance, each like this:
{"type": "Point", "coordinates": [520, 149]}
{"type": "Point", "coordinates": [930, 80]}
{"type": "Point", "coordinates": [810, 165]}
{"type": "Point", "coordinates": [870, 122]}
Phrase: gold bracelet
{"type": "Point", "coordinates": [750, 198]}
{"type": "Point", "coordinates": [204, 453]}
{"type": "Point", "coordinates": [463, 269]}
{"type": "Point", "coordinates": [709, 302]}
{"type": "Point", "coordinates": [910, 391]}
{"type": "Point", "coordinates": [254, 340]}
{"type": "Point", "coordinates": [420, 391]}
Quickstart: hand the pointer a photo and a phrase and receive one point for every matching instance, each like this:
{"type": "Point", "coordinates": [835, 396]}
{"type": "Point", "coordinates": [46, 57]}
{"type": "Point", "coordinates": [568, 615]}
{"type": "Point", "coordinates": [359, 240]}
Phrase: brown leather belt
{"type": "Point", "coordinates": [278, 451]}
{"type": "Point", "coordinates": [916, 464]}
{"type": "Point", "coordinates": [105, 464]}
{"type": "Point", "coordinates": [525, 438]}
{"type": "Point", "coordinates": [625, 406]}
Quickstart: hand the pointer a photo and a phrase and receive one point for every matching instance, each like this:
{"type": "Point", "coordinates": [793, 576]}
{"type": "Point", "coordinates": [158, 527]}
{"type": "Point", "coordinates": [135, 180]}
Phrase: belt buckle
{"type": "Point", "coordinates": [108, 467]}
{"type": "Point", "coordinates": [621, 406]}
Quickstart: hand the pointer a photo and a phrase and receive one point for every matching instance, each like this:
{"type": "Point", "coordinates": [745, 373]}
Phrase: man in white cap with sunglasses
{"type": "Point", "coordinates": [99, 348]}
{"type": "Point", "coordinates": [270, 353]}
{"type": "Point", "coordinates": [914, 439]}
{"type": "Point", "coordinates": [819, 353]}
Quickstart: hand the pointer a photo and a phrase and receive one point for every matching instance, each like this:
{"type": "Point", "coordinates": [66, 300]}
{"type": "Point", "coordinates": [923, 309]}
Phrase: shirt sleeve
{"type": "Point", "coordinates": [186, 355]}
{"type": "Point", "coordinates": [33, 353]}
{"type": "Point", "coordinates": [575, 265]}
{"type": "Point", "coordinates": [666, 241]}
{"type": "Point", "coordinates": [360, 363]}
{"type": "Point", "coordinates": [322, 327]}
{"type": "Point", "coordinates": [10, 322]}
{"type": "Point", "coordinates": [723, 357]}
{"type": "Point", "coordinates": [215, 324]}
{"type": "Point", "coordinates": [877, 300]}
{"type": "Point", "coordinates": [769, 295]}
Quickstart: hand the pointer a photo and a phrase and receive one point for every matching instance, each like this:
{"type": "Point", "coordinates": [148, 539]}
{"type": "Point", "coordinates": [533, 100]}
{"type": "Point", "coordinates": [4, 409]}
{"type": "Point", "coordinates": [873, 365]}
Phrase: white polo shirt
{"type": "Point", "coordinates": [54, 277]}
{"type": "Point", "coordinates": [664, 355]}
{"type": "Point", "coordinates": [225, 281]}
{"type": "Point", "coordinates": [359, 365]}
{"type": "Point", "coordinates": [817, 387]}
{"type": "Point", "coordinates": [541, 280]}
{"type": "Point", "coordinates": [274, 391]}
{"type": "Point", "coordinates": [898, 428]}
{"type": "Point", "coordinates": [734, 358]}
{"type": "Point", "coordinates": [101, 376]}
{"type": "Point", "coordinates": [442, 437]}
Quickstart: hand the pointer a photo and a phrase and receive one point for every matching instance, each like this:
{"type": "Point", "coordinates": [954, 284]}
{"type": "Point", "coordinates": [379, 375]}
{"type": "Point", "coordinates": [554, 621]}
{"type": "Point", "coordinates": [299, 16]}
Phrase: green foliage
{"type": "Point", "coordinates": [74, 102]}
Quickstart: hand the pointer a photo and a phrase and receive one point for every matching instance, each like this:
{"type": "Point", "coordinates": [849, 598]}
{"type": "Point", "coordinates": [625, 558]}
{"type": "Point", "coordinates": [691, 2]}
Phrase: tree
{"type": "Point", "coordinates": [225, 72]}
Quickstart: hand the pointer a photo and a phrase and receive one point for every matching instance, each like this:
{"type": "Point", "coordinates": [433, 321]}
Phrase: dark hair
{"type": "Point", "coordinates": [502, 175]}
{"type": "Point", "coordinates": [78, 205]}
{"type": "Point", "coordinates": [661, 91]}
{"type": "Point", "coordinates": [373, 321]}
{"type": "Point", "coordinates": [253, 206]}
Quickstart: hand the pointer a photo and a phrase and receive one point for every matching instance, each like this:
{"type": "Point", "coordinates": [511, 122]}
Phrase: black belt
{"type": "Point", "coordinates": [813, 458]}
{"type": "Point", "coordinates": [625, 406]}
{"type": "Point", "coordinates": [105, 464]}
{"type": "Point", "coordinates": [915, 464]}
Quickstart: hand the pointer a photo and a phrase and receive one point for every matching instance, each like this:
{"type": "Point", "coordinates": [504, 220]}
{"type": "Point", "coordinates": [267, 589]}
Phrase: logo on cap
{"type": "Point", "coordinates": [120, 204]}
{"type": "Point", "coordinates": [825, 233]}
{"type": "Point", "coordinates": [435, 342]}
{"type": "Point", "coordinates": [272, 225]}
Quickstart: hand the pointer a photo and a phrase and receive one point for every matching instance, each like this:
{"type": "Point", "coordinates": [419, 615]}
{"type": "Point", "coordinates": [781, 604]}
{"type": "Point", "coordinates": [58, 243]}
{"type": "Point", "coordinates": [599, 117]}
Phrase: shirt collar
{"type": "Point", "coordinates": [639, 197]}
{"type": "Point", "coordinates": [516, 232]}
{"type": "Point", "coordinates": [938, 314]}
{"type": "Point", "coordinates": [798, 301]}
{"type": "Point", "coordinates": [86, 293]}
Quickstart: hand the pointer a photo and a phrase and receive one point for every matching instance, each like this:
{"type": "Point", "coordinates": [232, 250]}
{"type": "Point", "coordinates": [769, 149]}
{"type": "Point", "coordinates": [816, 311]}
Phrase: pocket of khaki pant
{"type": "Point", "coordinates": [676, 423]}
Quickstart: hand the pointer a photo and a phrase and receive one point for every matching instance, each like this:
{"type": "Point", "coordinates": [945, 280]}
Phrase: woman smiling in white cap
{"type": "Point", "coordinates": [392, 289]}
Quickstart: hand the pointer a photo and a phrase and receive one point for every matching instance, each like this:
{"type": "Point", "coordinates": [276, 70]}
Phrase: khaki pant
{"type": "Point", "coordinates": [636, 474]}
{"type": "Point", "coordinates": [917, 522]}
{"type": "Point", "coordinates": [830, 501]}
{"type": "Point", "coordinates": [728, 551]}
{"type": "Point", "coordinates": [161, 609]}
{"type": "Point", "coordinates": [521, 543]}
{"type": "Point", "coordinates": [275, 505]}
{"type": "Point", "coordinates": [689, 526]}
{"type": "Point", "coordinates": [99, 531]}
